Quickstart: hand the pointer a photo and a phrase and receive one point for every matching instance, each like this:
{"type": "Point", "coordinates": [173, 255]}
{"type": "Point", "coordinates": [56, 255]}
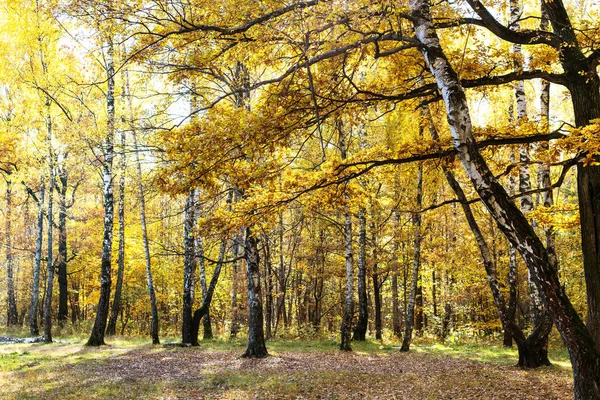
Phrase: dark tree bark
{"type": "Point", "coordinates": [99, 328]}
{"type": "Point", "coordinates": [360, 330]}
{"type": "Point", "coordinates": [64, 205]}
{"type": "Point", "coordinates": [256, 336]}
{"type": "Point", "coordinates": [317, 284]}
{"type": "Point", "coordinates": [74, 300]}
{"type": "Point", "coordinates": [189, 268]}
{"type": "Point", "coordinates": [582, 80]}
{"type": "Point", "coordinates": [206, 323]}
{"type": "Point", "coordinates": [61, 268]}
{"type": "Point", "coordinates": [282, 281]}
{"type": "Point", "coordinates": [11, 306]}
{"type": "Point", "coordinates": [206, 300]}
{"type": "Point", "coordinates": [50, 260]}
{"type": "Point", "coordinates": [377, 285]}
{"type": "Point", "coordinates": [235, 318]}
{"type": "Point", "coordinates": [585, 359]}
{"type": "Point", "coordinates": [346, 326]}
{"type": "Point", "coordinates": [377, 302]}
{"type": "Point", "coordinates": [396, 327]}
{"type": "Point", "coordinates": [190, 256]}
{"type": "Point", "coordinates": [269, 288]}
{"type": "Point", "coordinates": [584, 85]}
{"type": "Point", "coordinates": [111, 329]}
{"type": "Point", "coordinates": [511, 308]}
{"type": "Point", "coordinates": [544, 172]}
{"type": "Point", "coordinates": [33, 326]}
{"type": "Point", "coordinates": [419, 315]}
{"type": "Point", "coordinates": [410, 312]}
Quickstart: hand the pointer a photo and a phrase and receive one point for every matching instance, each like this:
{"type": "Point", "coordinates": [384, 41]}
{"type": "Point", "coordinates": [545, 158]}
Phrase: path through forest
{"type": "Point", "coordinates": [69, 371]}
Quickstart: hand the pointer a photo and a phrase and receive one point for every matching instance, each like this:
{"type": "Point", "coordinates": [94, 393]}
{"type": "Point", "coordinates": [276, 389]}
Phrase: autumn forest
{"type": "Point", "coordinates": [273, 198]}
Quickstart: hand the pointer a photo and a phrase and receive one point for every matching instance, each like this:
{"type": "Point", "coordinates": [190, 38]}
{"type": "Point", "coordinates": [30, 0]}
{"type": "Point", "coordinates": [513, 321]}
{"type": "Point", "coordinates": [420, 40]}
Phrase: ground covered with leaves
{"type": "Point", "coordinates": [302, 370]}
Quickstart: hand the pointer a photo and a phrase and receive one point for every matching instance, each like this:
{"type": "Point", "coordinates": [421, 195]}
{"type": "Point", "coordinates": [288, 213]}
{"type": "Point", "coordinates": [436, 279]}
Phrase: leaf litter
{"type": "Point", "coordinates": [194, 373]}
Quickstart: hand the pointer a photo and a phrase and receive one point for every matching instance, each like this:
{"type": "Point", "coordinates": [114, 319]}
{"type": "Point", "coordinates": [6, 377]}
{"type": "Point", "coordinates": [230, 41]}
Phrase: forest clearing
{"type": "Point", "coordinates": [303, 198]}
{"type": "Point", "coordinates": [295, 370]}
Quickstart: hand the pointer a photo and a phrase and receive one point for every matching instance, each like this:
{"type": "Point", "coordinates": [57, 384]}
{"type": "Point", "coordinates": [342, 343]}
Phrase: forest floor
{"type": "Point", "coordinates": [131, 368]}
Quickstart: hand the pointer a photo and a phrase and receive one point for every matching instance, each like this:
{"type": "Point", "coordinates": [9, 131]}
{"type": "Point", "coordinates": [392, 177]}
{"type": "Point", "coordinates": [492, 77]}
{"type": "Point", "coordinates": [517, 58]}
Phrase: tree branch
{"type": "Point", "coordinates": [519, 37]}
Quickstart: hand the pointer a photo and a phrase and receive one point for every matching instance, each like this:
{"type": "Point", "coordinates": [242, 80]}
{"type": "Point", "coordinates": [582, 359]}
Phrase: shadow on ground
{"type": "Point", "coordinates": [195, 373]}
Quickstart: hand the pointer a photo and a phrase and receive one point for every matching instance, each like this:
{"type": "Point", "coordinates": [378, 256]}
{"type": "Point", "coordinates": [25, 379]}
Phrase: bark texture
{"type": "Point", "coordinates": [50, 259]}
{"type": "Point", "coordinates": [99, 328]}
{"type": "Point", "coordinates": [11, 306]}
{"type": "Point", "coordinates": [35, 295]}
{"type": "Point", "coordinates": [111, 329]}
{"type": "Point", "coordinates": [200, 313]}
{"type": "Point", "coordinates": [584, 356]}
{"type": "Point", "coordinates": [346, 326]}
{"type": "Point", "coordinates": [206, 324]}
{"type": "Point", "coordinates": [61, 267]}
{"type": "Point", "coordinates": [396, 327]}
{"type": "Point", "coordinates": [362, 324]}
{"type": "Point", "coordinates": [410, 312]}
{"type": "Point", "coordinates": [256, 335]}
{"type": "Point", "coordinates": [189, 267]}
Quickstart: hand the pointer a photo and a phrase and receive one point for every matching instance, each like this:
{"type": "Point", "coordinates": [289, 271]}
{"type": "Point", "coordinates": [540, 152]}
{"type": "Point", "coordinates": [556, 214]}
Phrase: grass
{"type": "Point", "coordinates": [133, 368]}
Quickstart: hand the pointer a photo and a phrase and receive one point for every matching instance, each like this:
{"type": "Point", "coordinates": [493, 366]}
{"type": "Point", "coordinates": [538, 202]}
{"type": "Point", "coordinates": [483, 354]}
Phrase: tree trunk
{"type": "Point", "coordinates": [410, 319]}
{"type": "Point", "coordinates": [377, 301]}
{"type": "Point", "coordinates": [511, 309]}
{"type": "Point", "coordinates": [434, 293]}
{"type": "Point", "coordinates": [97, 335]}
{"type": "Point", "coordinates": [396, 328]}
{"type": "Point", "coordinates": [12, 316]}
{"type": "Point", "coordinates": [584, 85]}
{"type": "Point", "coordinates": [151, 293]}
{"type": "Point", "coordinates": [206, 323]}
{"type": "Point", "coordinates": [419, 315]}
{"type": "Point", "coordinates": [282, 281]}
{"type": "Point", "coordinates": [206, 300]}
{"type": "Point", "coordinates": [269, 288]}
{"type": "Point", "coordinates": [235, 319]}
{"type": "Point", "coordinates": [50, 261]}
{"type": "Point", "coordinates": [538, 313]}
{"type": "Point", "coordinates": [346, 327]}
{"type": "Point", "coordinates": [524, 185]}
{"type": "Point", "coordinates": [63, 289]}
{"type": "Point", "coordinates": [189, 267]}
{"type": "Point", "coordinates": [532, 351]}
{"type": "Point", "coordinates": [256, 336]}
{"type": "Point", "coordinates": [544, 173]}
{"type": "Point", "coordinates": [376, 285]}
{"type": "Point", "coordinates": [75, 307]}
{"type": "Point", "coordinates": [116, 306]}
{"type": "Point", "coordinates": [585, 359]}
{"type": "Point", "coordinates": [360, 330]}
{"type": "Point", "coordinates": [446, 320]}
{"type": "Point", "coordinates": [33, 326]}
{"type": "Point", "coordinates": [586, 104]}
